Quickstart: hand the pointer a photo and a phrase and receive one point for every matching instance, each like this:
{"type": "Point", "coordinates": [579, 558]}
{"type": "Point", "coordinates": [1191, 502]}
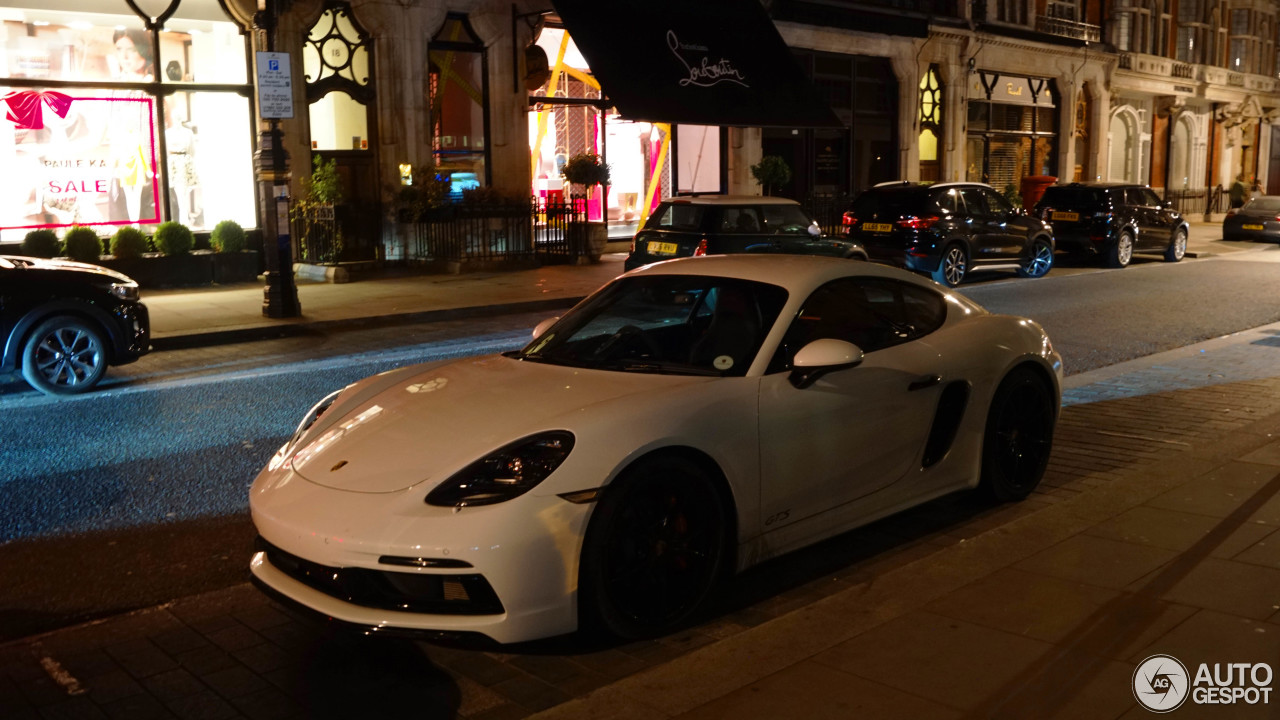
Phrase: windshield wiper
{"type": "Point", "coordinates": [658, 366]}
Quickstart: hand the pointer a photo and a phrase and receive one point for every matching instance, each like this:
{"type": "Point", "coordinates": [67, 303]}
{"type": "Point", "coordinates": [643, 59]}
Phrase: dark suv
{"type": "Point", "coordinates": [948, 229]}
{"type": "Point", "coordinates": [692, 225]}
{"type": "Point", "coordinates": [1113, 220]}
{"type": "Point", "coordinates": [63, 323]}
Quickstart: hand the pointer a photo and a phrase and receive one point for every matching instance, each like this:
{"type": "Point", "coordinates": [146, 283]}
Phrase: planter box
{"type": "Point", "coordinates": [157, 271]}
{"type": "Point", "coordinates": [587, 240]}
{"type": "Point", "coordinates": [237, 267]}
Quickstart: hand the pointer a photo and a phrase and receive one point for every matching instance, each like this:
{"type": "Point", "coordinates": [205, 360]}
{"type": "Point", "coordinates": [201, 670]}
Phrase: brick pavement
{"type": "Point", "coordinates": [1154, 531]}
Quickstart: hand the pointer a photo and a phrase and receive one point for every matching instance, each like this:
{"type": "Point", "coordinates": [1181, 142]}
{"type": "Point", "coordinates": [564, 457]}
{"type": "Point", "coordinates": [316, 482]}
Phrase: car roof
{"type": "Point", "coordinates": [718, 199]}
{"type": "Point", "coordinates": [902, 185]}
{"type": "Point", "coordinates": [1099, 185]}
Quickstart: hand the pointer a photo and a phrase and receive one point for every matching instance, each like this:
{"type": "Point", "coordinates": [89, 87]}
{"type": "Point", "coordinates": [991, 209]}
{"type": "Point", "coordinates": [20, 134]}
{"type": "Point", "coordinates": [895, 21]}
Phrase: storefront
{"type": "Point", "coordinates": [111, 119]}
{"type": "Point", "coordinates": [1012, 128]}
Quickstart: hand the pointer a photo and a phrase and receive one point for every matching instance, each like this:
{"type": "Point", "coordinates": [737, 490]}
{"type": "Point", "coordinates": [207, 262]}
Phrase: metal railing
{"type": "Point", "coordinates": [474, 232]}
{"type": "Point", "coordinates": [828, 210]}
{"type": "Point", "coordinates": [1068, 28]}
{"type": "Point", "coordinates": [318, 234]}
{"type": "Point", "coordinates": [553, 219]}
{"type": "Point", "coordinates": [1187, 202]}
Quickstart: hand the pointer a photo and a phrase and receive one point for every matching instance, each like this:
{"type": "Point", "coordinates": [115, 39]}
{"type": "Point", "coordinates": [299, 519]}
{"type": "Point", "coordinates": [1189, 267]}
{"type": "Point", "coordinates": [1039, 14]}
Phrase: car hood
{"type": "Point", "coordinates": [64, 267]}
{"type": "Point", "coordinates": [424, 426]}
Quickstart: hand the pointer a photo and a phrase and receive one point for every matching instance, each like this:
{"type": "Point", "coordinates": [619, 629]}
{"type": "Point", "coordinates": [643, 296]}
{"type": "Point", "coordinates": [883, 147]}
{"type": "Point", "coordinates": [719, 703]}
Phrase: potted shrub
{"type": "Point", "coordinates": [178, 266]}
{"type": "Point", "coordinates": [232, 263]}
{"type": "Point", "coordinates": [128, 243]}
{"type": "Point", "coordinates": [41, 244]}
{"type": "Point", "coordinates": [82, 244]}
{"type": "Point", "coordinates": [771, 172]}
{"type": "Point", "coordinates": [587, 239]}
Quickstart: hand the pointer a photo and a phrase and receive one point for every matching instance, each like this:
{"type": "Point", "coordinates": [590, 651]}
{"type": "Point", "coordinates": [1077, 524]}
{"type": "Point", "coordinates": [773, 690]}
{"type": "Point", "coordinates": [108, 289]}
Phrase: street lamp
{"type": "Point", "coordinates": [280, 295]}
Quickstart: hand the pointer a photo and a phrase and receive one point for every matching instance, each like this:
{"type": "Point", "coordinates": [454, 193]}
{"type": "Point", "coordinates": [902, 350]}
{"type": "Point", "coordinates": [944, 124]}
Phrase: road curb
{"type": "Point", "coordinates": [297, 328]}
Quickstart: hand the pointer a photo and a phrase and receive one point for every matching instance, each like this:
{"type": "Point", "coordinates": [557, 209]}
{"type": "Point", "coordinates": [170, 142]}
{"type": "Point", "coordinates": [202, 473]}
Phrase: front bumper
{"type": "Point", "coordinates": [524, 551]}
{"type": "Point", "coordinates": [133, 337]}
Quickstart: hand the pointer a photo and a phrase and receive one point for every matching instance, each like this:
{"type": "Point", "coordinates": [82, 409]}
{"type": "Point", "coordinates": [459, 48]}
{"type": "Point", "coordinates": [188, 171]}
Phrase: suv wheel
{"type": "Point", "coordinates": [63, 356]}
{"type": "Point", "coordinates": [953, 266]}
{"type": "Point", "coordinates": [1177, 247]}
{"type": "Point", "coordinates": [1122, 251]}
{"type": "Point", "coordinates": [1040, 261]}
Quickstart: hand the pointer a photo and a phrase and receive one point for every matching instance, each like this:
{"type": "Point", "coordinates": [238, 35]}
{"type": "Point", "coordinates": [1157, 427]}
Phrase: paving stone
{"type": "Point", "coordinates": [1176, 530]}
{"type": "Point", "coordinates": [1224, 585]}
{"type": "Point", "coordinates": [1210, 636]}
{"type": "Point", "coordinates": [142, 659]}
{"type": "Point", "coordinates": [110, 686]}
{"type": "Point", "coordinates": [179, 640]}
{"type": "Point", "coordinates": [73, 709]}
{"type": "Point", "coordinates": [1029, 604]}
{"type": "Point", "coordinates": [235, 682]}
{"type": "Point", "coordinates": [1264, 552]}
{"type": "Point", "coordinates": [137, 707]}
{"type": "Point", "coordinates": [205, 660]}
{"type": "Point", "coordinates": [509, 711]}
{"type": "Point", "coordinates": [204, 706]}
{"type": "Point", "coordinates": [1097, 561]}
{"type": "Point", "coordinates": [530, 693]}
{"type": "Point", "coordinates": [173, 685]}
{"type": "Point", "coordinates": [268, 704]}
{"type": "Point", "coordinates": [263, 657]}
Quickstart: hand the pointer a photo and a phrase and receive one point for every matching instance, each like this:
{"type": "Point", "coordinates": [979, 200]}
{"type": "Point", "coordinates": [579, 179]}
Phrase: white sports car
{"type": "Point", "coordinates": [690, 419]}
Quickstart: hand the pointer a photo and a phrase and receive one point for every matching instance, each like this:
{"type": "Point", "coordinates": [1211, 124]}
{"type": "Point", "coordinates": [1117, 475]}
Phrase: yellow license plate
{"type": "Point", "coordinates": [877, 227]}
{"type": "Point", "coordinates": [1069, 216]}
{"type": "Point", "coordinates": [1253, 227]}
{"type": "Point", "coordinates": [661, 248]}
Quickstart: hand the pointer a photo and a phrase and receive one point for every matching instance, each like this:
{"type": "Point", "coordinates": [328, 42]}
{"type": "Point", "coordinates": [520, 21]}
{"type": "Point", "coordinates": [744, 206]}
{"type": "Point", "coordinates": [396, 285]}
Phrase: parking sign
{"type": "Point", "coordinates": [275, 85]}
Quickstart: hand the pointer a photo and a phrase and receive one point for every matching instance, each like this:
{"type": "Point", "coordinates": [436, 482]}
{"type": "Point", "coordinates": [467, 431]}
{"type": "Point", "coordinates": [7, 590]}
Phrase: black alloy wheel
{"type": "Point", "coordinates": [953, 265]}
{"type": "Point", "coordinates": [1177, 246]}
{"type": "Point", "coordinates": [1019, 436]}
{"type": "Point", "coordinates": [1121, 252]}
{"type": "Point", "coordinates": [64, 356]}
{"type": "Point", "coordinates": [1040, 262]}
{"type": "Point", "coordinates": [655, 549]}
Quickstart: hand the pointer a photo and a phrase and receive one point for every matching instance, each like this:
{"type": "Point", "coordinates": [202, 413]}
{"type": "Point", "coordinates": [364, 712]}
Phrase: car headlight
{"type": "Point", "coordinates": [125, 291]}
{"type": "Point", "coordinates": [505, 473]}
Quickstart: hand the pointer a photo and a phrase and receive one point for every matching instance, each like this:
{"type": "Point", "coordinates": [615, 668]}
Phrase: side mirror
{"type": "Point", "coordinates": [814, 230]}
{"type": "Point", "coordinates": [544, 326]}
{"type": "Point", "coordinates": [821, 357]}
{"type": "Point", "coordinates": [1167, 204]}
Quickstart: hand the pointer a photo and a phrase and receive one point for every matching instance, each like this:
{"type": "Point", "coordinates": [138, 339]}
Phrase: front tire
{"type": "Point", "coordinates": [655, 549]}
{"type": "Point", "coordinates": [1019, 436]}
{"type": "Point", "coordinates": [64, 356]}
{"type": "Point", "coordinates": [953, 266]}
{"type": "Point", "coordinates": [1040, 262]}
{"type": "Point", "coordinates": [1177, 246]}
{"type": "Point", "coordinates": [1122, 252]}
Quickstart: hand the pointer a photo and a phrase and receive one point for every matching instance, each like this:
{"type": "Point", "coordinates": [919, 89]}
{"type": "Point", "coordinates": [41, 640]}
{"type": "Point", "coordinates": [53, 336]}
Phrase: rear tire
{"type": "Point", "coordinates": [64, 356]}
{"type": "Point", "coordinates": [953, 266]}
{"type": "Point", "coordinates": [1019, 436]}
{"type": "Point", "coordinates": [1119, 255]}
{"type": "Point", "coordinates": [1177, 246]}
{"type": "Point", "coordinates": [656, 548]}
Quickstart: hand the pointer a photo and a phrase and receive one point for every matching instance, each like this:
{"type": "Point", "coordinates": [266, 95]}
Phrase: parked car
{"type": "Point", "coordinates": [1259, 219]}
{"type": "Point", "coordinates": [686, 421]}
{"type": "Point", "coordinates": [695, 225]}
{"type": "Point", "coordinates": [947, 230]}
{"type": "Point", "coordinates": [1114, 220]}
{"type": "Point", "coordinates": [63, 323]}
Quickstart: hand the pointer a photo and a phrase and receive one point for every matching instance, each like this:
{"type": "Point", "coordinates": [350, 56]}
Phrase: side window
{"type": "Point", "coordinates": [996, 202]}
{"type": "Point", "coordinates": [1133, 197]}
{"type": "Point", "coordinates": [785, 220]}
{"type": "Point", "coordinates": [947, 201]}
{"type": "Point", "coordinates": [974, 202]}
{"type": "Point", "coordinates": [740, 220]}
{"type": "Point", "coordinates": [871, 313]}
{"type": "Point", "coordinates": [1149, 198]}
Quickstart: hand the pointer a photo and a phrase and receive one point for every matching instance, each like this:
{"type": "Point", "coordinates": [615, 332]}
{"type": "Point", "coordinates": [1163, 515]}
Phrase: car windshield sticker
{"type": "Point", "coordinates": [722, 362]}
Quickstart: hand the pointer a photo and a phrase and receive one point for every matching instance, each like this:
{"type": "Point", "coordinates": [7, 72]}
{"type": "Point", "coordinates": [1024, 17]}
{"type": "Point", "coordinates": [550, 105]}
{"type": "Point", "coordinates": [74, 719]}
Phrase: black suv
{"type": "Point", "coordinates": [63, 323]}
{"type": "Point", "coordinates": [692, 225]}
{"type": "Point", "coordinates": [948, 229]}
{"type": "Point", "coordinates": [1114, 220]}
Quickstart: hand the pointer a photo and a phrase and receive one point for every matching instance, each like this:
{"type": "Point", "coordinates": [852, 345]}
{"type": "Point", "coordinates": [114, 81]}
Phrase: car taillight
{"type": "Point", "coordinates": [1045, 212]}
{"type": "Point", "coordinates": [848, 219]}
{"type": "Point", "coordinates": [917, 223]}
{"type": "Point", "coordinates": [701, 249]}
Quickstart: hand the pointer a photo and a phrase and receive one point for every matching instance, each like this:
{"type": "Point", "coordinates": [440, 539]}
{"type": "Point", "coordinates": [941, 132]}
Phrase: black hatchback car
{"type": "Point", "coordinates": [62, 323]}
{"type": "Point", "coordinates": [948, 229]}
{"type": "Point", "coordinates": [687, 226]}
{"type": "Point", "coordinates": [1114, 220]}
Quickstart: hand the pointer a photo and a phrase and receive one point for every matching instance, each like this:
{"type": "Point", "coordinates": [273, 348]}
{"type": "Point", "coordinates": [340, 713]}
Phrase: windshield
{"type": "Point", "coordinates": [676, 216]}
{"type": "Point", "coordinates": [670, 324]}
{"type": "Point", "coordinates": [1265, 204]}
{"type": "Point", "coordinates": [1073, 196]}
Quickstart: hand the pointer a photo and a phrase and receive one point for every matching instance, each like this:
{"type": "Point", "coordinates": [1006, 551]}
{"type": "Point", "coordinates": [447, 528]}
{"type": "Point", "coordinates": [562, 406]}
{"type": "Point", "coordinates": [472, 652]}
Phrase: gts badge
{"type": "Point", "coordinates": [777, 517]}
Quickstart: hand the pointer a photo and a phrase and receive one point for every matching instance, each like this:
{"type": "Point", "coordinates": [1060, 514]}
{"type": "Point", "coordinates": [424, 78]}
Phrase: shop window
{"type": "Point", "coordinates": [459, 90]}
{"type": "Point", "coordinates": [337, 68]}
{"type": "Point", "coordinates": [101, 141]}
{"type": "Point", "coordinates": [930, 124]}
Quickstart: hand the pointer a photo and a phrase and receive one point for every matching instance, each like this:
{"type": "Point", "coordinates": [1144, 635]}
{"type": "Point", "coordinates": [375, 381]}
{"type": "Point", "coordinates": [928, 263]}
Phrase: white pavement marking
{"type": "Point", "coordinates": [64, 679]}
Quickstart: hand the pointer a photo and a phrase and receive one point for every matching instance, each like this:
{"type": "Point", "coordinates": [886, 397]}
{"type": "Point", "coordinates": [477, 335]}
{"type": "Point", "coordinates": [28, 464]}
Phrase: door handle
{"type": "Point", "coordinates": [927, 381]}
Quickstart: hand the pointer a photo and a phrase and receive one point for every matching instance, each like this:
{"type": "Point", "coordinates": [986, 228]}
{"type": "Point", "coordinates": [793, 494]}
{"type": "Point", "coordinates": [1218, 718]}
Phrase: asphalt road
{"type": "Point", "coordinates": [137, 494]}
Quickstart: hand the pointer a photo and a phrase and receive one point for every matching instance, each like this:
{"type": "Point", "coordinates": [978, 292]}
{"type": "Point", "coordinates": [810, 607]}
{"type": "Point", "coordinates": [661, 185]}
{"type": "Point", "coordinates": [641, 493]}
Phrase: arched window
{"type": "Point", "coordinates": [930, 124]}
{"type": "Point", "coordinates": [338, 69]}
{"type": "Point", "coordinates": [1123, 143]}
{"type": "Point", "coordinates": [1180, 155]}
{"type": "Point", "coordinates": [459, 87]}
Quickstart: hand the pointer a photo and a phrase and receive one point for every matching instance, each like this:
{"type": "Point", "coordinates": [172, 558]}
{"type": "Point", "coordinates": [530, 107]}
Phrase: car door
{"type": "Point", "coordinates": [854, 431]}
{"type": "Point", "coordinates": [1008, 229]}
{"type": "Point", "coordinates": [983, 243]}
{"type": "Point", "coordinates": [740, 230]}
{"type": "Point", "coordinates": [1136, 207]}
{"type": "Point", "coordinates": [1163, 219]}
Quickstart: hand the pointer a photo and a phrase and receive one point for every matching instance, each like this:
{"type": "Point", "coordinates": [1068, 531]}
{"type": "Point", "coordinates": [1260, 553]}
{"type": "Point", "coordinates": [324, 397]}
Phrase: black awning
{"type": "Point", "coordinates": [701, 62]}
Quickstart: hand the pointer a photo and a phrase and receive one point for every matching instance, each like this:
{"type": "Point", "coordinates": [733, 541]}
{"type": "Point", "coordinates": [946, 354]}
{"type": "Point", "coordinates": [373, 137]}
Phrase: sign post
{"type": "Point", "coordinates": [275, 101]}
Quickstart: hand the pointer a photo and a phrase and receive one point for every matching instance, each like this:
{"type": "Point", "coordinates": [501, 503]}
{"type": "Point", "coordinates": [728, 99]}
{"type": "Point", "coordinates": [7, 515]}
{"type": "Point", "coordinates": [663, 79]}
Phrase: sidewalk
{"type": "Point", "coordinates": [192, 317]}
{"type": "Point", "coordinates": [1156, 530]}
